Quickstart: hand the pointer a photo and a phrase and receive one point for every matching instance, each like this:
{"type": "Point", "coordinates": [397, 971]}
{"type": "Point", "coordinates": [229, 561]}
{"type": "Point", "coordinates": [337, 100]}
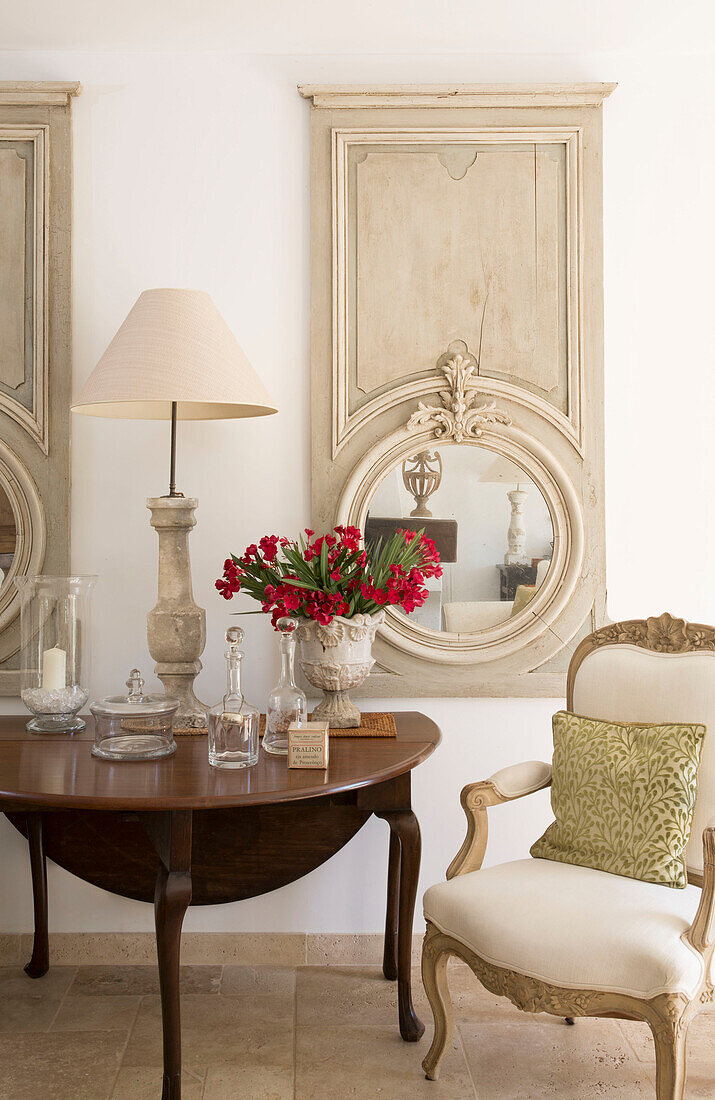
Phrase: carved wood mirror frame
{"type": "Point", "coordinates": [35, 339]}
{"type": "Point", "coordinates": [403, 357]}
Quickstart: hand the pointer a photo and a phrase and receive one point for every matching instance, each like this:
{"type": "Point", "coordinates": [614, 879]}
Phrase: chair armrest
{"type": "Point", "coordinates": [701, 933]}
{"type": "Point", "coordinates": [521, 779]}
{"type": "Point", "coordinates": [506, 785]}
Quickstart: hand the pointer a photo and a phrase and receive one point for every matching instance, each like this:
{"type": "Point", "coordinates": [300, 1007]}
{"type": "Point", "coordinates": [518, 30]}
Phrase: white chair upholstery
{"type": "Point", "coordinates": [572, 926]}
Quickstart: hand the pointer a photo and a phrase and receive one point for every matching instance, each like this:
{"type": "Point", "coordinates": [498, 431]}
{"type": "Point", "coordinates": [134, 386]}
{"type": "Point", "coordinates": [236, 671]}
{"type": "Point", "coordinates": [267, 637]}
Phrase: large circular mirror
{"type": "Point", "coordinates": [490, 523]}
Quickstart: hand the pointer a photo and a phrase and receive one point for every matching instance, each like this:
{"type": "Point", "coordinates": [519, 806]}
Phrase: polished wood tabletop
{"type": "Point", "coordinates": [58, 771]}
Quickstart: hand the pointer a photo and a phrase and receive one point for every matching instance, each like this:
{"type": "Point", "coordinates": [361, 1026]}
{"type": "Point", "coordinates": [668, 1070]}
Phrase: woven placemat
{"type": "Point", "coordinates": [372, 725]}
{"type": "Point", "coordinates": [377, 724]}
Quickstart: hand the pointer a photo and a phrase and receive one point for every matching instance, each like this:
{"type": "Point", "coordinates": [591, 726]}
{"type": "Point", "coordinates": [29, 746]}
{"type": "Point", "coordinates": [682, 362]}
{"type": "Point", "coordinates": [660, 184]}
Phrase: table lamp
{"type": "Point", "coordinates": [175, 358]}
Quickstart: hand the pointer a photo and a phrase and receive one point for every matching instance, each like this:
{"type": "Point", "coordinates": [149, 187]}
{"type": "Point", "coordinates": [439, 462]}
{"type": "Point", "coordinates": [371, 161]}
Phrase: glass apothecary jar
{"type": "Point", "coordinates": [55, 631]}
{"type": "Point", "coordinates": [287, 704]}
{"type": "Point", "coordinates": [134, 726]}
{"type": "Point", "coordinates": [233, 723]}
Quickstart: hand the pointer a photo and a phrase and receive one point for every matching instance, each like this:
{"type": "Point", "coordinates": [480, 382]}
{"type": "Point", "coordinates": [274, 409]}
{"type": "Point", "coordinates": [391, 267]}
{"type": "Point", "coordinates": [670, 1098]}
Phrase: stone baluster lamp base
{"type": "Point", "coordinates": [176, 627]}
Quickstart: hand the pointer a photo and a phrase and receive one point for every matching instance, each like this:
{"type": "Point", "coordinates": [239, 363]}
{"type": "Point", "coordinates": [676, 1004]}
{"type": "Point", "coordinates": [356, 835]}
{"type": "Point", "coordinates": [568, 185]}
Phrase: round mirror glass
{"type": "Point", "coordinates": [8, 535]}
{"type": "Point", "coordinates": [490, 523]}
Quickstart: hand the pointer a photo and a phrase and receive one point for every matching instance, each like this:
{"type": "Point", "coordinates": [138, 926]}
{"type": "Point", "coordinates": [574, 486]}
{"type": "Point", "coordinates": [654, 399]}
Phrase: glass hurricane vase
{"type": "Point", "coordinates": [55, 630]}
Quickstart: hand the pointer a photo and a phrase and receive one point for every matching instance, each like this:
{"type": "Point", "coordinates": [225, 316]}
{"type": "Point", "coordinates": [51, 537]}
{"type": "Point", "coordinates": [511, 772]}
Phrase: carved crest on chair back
{"type": "Point", "coordinates": [664, 634]}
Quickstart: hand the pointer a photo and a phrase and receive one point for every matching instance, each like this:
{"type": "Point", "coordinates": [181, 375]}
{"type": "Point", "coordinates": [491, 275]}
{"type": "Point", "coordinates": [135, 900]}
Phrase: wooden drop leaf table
{"type": "Point", "coordinates": [178, 832]}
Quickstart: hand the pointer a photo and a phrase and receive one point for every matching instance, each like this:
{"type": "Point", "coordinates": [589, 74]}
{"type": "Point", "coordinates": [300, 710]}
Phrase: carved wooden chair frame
{"type": "Point", "coordinates": [668, 1014]}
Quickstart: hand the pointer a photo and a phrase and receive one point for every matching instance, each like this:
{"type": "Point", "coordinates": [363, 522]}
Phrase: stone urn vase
{"type": "Point", "coordinates": [336, 658]}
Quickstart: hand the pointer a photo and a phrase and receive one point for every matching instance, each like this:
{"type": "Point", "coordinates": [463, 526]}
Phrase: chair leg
{"type": "Point", "coordinates": [434, 977]}
{"type": "Point", "coordinates": [669, 1036]}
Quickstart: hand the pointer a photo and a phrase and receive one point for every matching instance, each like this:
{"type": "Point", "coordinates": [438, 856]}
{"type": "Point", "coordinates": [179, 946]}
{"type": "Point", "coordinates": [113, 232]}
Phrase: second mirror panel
{"type": "Point", "coordinates": [490, 523]}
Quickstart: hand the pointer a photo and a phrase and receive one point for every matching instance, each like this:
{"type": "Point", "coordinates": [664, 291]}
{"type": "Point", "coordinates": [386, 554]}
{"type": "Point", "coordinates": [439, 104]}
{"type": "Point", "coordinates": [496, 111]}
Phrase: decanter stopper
{"type": "Point", "coordinates": [234, 637]}
{"type": "Point", "coordinates": [287, 624]}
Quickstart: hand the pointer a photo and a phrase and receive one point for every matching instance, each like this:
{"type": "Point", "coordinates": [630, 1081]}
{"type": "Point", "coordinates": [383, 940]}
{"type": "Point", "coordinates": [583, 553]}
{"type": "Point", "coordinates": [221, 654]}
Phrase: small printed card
{"type": "Point", "coordinates": [308, 745]}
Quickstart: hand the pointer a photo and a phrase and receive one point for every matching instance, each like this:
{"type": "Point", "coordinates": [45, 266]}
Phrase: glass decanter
{"type": "Point", "coordinates": [233, 723]}
{"type": "Point", "coordinates": [287, 704]}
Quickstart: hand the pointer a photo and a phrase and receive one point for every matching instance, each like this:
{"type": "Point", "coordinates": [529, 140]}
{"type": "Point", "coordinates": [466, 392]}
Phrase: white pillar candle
{"type": "Point", "coordinates": [54, 665]}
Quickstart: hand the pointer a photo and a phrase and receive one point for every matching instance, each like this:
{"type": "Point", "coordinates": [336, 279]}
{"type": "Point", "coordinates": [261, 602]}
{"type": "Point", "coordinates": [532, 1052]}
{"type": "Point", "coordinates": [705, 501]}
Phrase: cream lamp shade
{"type": "Point", "coordinates": [174, 346]}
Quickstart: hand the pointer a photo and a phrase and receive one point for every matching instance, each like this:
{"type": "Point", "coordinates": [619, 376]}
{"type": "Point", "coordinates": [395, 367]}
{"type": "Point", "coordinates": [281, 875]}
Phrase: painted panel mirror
{"type": "Point", "coordinates": [457, 367]}
{"type": "Point", "coordinates": [35, 364]}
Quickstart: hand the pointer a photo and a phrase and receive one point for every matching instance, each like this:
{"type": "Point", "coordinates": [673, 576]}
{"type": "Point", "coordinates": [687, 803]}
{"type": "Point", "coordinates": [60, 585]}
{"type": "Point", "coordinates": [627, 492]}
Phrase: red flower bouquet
{"type": "Point", "coordinates": [321, 578]}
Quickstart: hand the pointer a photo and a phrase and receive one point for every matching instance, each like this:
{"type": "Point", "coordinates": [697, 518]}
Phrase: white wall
{"type": "Point", "coordinates": [192, 170]}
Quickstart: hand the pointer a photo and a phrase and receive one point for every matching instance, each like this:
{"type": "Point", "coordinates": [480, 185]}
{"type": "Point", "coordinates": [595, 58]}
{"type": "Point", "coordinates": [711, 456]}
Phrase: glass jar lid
{"type": "Point", "coordinates": [136, 702]}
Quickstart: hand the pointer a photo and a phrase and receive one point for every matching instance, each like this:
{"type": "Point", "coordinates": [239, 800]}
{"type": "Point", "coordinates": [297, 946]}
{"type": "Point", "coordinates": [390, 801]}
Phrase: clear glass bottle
{"type": "Point", "coordinates": [287, 704]}
{"type": "Point", "coordinates": [233, 723]}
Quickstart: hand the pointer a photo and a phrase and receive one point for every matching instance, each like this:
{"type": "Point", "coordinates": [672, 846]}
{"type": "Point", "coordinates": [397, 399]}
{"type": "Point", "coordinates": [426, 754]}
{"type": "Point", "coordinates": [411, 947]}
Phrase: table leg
{"type": "Point", "coordinates": [170, 833]}
{"type": "Point", "coordinates": [389, 957]}
{"type": "Point", "coordinates": [39, 964]}
{"type": "Point", "coordinates": [405, 827]}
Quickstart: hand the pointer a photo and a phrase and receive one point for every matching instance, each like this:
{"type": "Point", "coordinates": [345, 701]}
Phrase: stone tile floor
{"type": "Point", "coordinates": [309, 1033]}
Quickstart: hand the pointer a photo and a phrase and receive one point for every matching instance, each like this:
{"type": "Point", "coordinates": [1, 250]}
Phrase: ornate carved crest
{"type": "Point", "coordinates": [664, 634]}
{"type": "Point", "coordinates": [460, 416]}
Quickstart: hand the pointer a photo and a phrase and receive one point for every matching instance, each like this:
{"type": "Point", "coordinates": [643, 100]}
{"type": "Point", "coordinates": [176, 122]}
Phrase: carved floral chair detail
{"type": "Point", "coordinates": [568, 940]}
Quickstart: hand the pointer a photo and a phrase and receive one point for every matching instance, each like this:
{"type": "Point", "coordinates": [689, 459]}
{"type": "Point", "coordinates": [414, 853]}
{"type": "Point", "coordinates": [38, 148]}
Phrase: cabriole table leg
{"type": "Point", "coordinates": [405, 827]}
{"type": "Point", "coordinates": [389, 957]}
{"type": "Point", "coordinates": [39, 964]}
{"type": "Point", "coordinates": [170, 833]}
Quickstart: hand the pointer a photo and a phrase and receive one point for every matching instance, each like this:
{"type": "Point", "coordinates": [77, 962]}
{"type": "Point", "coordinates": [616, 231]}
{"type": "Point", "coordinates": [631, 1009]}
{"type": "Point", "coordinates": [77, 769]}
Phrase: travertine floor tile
{"type": "Point", "coordinates": [342, 996]}
{"type": "Point", "coordinates": [255, 1080]}
{"type": "Point", "coordinates": [369, 1062]}
{"type": "Point", "coordinates": [80, 1013]}
{"type": "Point", "coordinates": [546, 1058]}
{"type": "Point", "coordinates": [68, 1066]}
{"type": "Point", "coordinates": [258, 979]}
{"type": "Point", "coordinates": [31, 1004]}
{"type": "Point", "coordinates": [700, 1080]}
{"type": "Point", "coordinates": [142, 980]}
{"type": "Point", "coordinates": [218, 1030]}
{"type": "Point", "coordinates": [69, 1036]}
{"type": "Point", "coordinates": [144, 1083]}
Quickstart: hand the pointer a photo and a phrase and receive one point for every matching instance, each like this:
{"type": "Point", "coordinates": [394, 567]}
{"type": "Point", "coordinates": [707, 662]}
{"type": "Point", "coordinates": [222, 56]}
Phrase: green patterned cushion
{"type": "Point", "coordinates": [623, 797]}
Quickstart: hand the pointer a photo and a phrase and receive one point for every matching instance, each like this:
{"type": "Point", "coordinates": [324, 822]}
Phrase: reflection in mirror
{"type": "Point", "coordinates": [8, 535]}
{"type": "Point", "coordinates": [490, 523]}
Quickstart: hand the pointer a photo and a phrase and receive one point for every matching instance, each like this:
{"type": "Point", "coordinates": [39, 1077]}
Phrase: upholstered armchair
{"type": "Point", "coordinates": [568, 940]}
